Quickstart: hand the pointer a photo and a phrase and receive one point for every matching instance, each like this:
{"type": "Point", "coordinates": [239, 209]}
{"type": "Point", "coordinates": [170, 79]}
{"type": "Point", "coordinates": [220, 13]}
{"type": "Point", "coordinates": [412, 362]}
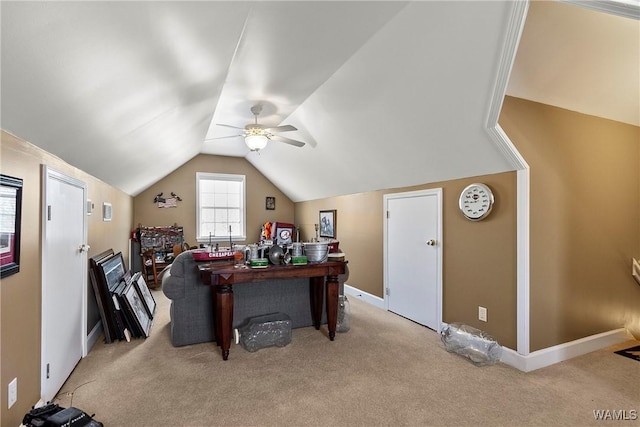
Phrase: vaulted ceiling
{"type": "Point", "coordinates": [385, 94]}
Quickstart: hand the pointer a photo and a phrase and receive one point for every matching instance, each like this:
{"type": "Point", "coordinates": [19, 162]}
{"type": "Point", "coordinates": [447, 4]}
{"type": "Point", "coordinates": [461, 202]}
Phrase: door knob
{"type": "Point", "coordinates": [84, 248]}
{"type": "Point", "coordinates": [431, 242]}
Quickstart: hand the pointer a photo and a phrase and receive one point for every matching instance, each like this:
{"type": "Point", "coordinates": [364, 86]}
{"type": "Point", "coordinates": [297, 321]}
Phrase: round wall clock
{"type": "Point", "coordinates": [476, 201]}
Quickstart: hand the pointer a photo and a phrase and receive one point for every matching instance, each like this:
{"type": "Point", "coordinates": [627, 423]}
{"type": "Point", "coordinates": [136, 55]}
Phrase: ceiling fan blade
{"type": "Point", "coordinates": [287, 140]}
{"type": "Point", "coordinates": [223, 137]}
{"type": "Point", "coordinates": [283, 128]}
{"type": "Point", "coordinates": [228, 126]}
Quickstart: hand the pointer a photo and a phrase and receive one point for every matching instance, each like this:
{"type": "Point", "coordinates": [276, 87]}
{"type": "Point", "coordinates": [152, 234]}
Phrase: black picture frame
{"type": "Point", "coordinates": [270, 203]}
{"type": "Point", "coordinates": [103, 297]}
{"type": "Point", "coordinates": [136, 306]}
{"type": "Point", "coordinates": [327, 223]}
{"type": "Point", "coordinates": [113, 271]}
{"type": "Point", "coordinates": [145, 294]}
{"type": "Point", "coordinates": [10, 224]}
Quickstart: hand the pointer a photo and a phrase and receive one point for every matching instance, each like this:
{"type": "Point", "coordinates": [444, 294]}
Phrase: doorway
{"type": "Point", "coordinates": [64, 279]}
{"type": "Point", "coordinates": [413, 256]}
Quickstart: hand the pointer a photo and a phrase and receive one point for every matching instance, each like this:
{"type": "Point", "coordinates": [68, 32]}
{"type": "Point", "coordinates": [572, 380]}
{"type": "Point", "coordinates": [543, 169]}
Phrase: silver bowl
{"type": "Point", "coordinates": [316, 251]}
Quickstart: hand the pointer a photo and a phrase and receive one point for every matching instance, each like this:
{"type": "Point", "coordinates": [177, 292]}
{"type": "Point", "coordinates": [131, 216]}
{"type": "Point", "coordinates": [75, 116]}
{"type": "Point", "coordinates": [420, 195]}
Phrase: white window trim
{"type": "Point", "coordinates": [225, 177]}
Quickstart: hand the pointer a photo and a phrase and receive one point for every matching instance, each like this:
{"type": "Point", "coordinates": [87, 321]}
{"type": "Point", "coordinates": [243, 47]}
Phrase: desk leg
{"type": "Point", "coordinates": [332, 305]}
{"type": "Point", "coordinates": [224, 317]}
{"type": "Point", "coordinates": [316, 295]}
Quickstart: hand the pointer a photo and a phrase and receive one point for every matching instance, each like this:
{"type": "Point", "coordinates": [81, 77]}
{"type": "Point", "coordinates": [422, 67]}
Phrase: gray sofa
{"type": "Point", "coordinates": [192, 305]}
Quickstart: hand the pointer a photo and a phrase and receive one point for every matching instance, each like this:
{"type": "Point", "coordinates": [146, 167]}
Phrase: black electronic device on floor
{"type": "Point", "coordinates": [52, 415]}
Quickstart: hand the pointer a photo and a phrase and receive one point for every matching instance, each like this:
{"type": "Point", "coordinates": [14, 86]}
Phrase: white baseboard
{"type": "Point", "coordinates": [558, 353]}
{"type": "Point", "coordinates": [94, 335]}
{"type": "Point", "coordinates": [366, 297]}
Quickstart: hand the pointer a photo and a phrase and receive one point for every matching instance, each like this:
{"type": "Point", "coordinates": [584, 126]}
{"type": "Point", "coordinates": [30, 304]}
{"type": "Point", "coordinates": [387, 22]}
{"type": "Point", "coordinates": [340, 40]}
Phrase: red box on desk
{"type": "Point", "coordinates": [204, 255]}
{"type": "Point", "coordinates": [333, 247]}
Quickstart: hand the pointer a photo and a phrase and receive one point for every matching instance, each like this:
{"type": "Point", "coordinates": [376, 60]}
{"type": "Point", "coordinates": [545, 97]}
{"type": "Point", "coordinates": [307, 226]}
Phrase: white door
{"type": "Point", "coordinates": [64, 279]}
{"type": "Point", "coordinates": [413, 256]}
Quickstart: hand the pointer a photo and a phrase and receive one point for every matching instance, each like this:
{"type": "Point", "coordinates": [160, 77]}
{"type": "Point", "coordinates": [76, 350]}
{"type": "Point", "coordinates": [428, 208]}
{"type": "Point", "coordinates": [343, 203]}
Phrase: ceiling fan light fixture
{"type": "Point", "coordinates": [256, 142]}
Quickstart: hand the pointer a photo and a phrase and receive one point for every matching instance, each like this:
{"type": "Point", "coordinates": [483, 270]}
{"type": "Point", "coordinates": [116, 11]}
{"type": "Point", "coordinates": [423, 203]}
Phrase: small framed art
{"type": "Point", "coordinates": [107, 212]}
{"type": "Point", "coordinates": [270, 203]}
{"type": "Point", "coordinates": [328, 224]}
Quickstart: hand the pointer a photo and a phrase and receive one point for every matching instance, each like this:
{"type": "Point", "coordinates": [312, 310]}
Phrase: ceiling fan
{"type": "Point", "coordinates": [256, 136]}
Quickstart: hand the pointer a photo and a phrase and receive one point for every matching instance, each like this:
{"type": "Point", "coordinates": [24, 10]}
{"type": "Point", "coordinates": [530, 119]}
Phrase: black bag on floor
{"type": "Point", "coordinates": [52, 415]}
{"type": "Point", "coordinates": [36, 417]}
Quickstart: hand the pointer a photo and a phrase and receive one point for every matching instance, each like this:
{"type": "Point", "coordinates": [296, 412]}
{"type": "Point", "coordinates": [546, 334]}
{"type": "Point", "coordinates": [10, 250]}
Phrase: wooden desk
{"type": "Point", "coordinates": [223, 276]}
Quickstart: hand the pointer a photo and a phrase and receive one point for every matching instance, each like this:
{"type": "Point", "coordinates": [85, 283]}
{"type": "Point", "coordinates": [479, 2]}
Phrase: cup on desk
{"type": "Point", "coordinates": [296, 249]}
{"type": "Point", "coordinates": [253, 251]}
{"type": "Point", "coordinates": [238, 256]}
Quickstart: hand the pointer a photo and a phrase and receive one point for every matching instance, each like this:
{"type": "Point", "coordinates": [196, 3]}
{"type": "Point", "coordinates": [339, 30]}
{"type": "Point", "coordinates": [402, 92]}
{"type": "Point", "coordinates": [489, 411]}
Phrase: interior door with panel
{"type": "Point", "coordinates": [413, 256]}
{"type": "Point", "coordinates": [64, 279]}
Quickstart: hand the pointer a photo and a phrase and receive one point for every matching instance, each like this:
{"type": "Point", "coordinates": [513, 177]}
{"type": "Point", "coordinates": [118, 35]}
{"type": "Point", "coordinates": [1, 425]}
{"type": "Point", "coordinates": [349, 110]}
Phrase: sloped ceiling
{"type": "Point", "coordinates": [581, 59]}
{"type": "Point", "coordinates": [386, 94]}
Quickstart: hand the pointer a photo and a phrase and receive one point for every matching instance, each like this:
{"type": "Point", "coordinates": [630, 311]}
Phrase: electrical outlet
{"type": "Point", "coordinates": [13, 392]}
{"type": "Point", "coordinates": [482, 314]}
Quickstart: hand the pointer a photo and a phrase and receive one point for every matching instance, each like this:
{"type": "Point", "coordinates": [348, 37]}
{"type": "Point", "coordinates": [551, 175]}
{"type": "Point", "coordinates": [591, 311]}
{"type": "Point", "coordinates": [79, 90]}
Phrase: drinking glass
{"type": "Point", "coordinates": [238, 257]}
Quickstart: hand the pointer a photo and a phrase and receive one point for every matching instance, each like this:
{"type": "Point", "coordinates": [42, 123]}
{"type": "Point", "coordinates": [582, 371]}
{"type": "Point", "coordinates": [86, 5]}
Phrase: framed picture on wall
{"type": "Point", "coordinates": [10, 224]}
{"type": "Point", "coordinates": [328, 224]}
{"type": "Point", "coordinates": [270, 203]}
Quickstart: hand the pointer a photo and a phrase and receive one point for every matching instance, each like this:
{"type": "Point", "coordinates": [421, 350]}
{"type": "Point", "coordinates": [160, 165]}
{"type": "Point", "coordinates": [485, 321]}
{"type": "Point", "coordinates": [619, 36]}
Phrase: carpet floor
{"type": "Point", "coordinates": [385, 371]}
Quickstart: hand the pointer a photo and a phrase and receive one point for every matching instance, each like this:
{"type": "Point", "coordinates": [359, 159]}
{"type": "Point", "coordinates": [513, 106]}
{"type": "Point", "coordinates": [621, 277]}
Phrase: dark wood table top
{"type": "Point", "coordinates": [227, 273]}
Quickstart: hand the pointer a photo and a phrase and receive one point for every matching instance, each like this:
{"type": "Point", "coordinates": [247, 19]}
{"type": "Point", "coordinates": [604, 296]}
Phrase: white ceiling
{"type": "Point", "coordinates": [386, 94]}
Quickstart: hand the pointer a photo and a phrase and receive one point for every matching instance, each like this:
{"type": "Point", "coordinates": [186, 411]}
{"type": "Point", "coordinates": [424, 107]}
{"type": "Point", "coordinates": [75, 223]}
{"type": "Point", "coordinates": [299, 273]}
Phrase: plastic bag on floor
{"type": "Point", "coordinates": [344, 314]}
{"type": "Point", "coordinates": [476, 345]}
{"type": "Point", "coordinates": [264, 331]}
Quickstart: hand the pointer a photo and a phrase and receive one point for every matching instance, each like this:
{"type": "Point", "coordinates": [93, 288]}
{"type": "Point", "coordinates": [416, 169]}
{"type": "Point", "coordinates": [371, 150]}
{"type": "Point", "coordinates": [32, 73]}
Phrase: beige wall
{"type": "Point", "coordinates": [479, 258]}
{"type": "Point", "coordinates": [585, 220]}
{"type": "Point", "coordinates": [183, 183]}
{"type": "Point", "coordinates": [20, 294]}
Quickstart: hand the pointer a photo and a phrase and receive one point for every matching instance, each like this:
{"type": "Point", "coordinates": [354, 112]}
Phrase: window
{"type": "Point", "coordinates": [220, 207]}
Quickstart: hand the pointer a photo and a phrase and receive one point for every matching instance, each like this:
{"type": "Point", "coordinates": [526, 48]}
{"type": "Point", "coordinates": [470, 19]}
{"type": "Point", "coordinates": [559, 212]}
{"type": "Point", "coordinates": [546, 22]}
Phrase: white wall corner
{"type": "Point", "coordinates": [517, 18]}
{"type": "Point", "coordinates": [523, 241]}
{"type": "Point", "coordinates": [515, 27]}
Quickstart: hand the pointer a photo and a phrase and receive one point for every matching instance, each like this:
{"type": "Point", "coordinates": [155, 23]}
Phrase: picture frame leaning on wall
{"type": "Point", "coordinates": [145, 294]}
{"type": "Point", "coordinates": [137, 308]}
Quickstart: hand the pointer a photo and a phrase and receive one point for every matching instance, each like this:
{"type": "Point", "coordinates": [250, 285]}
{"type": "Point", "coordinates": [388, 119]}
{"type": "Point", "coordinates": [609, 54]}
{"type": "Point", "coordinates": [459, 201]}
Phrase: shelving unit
{"type": "Point", "coordinates": [160, 239]}
{"type": "Point", "coordinates": [156, 245]}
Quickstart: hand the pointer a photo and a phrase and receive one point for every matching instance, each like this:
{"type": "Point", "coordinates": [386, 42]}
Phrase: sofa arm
{"type": "Point", "coordinates": [175, 280]}
{"type": "Point", "coordinates": [173, 287]}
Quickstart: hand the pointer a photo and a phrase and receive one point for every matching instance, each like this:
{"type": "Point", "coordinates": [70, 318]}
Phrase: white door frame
{"type": "Point", "coordinates": [48, 173]}
{"type": "Point", "coordinates": [430, 192]}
